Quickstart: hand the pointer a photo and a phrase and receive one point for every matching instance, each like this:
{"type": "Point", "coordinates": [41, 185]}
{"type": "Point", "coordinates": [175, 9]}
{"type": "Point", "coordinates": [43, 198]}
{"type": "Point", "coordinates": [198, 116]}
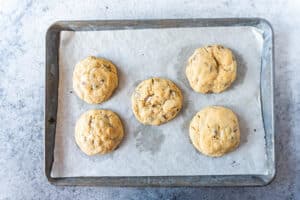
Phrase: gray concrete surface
{"type": "Point", "coordinates": [22, 57]}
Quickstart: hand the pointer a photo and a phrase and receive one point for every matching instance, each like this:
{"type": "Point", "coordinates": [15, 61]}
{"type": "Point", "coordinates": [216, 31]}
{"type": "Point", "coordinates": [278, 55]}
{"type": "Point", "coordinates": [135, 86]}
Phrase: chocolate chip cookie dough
{"type": "Point", "coordinates": [214, 131]}
{"type": "Point", "coordinates": [98, 131]}
{"type": "Point", "coordinates": [211, 69]}
{"type": "Point", "coordinates": [156, 101]}
{"type": "Point", "coordinates": [95, 79]}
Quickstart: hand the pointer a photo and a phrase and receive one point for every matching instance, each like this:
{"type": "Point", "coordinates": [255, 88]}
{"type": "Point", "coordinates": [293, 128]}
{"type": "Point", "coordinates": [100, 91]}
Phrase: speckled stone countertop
{"type": "Point", "coordinates": [23, 25]}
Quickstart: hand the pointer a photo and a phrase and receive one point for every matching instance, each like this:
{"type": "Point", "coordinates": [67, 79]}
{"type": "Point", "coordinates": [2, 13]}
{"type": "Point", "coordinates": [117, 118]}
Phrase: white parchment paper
{"type": "Point", "coordinates": [166, 149]}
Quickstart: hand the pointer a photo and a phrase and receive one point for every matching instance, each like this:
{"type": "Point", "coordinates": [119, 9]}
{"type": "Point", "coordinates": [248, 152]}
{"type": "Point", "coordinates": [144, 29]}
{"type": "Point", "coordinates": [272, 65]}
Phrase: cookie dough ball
{"type": "Point", "coordinates": [214, 131]}
{"type": "Point", "coordinates": [95, 79]}
{"type": "Point", "coordinates": [211, 69]}
{"type": "Point", "coordinates": [156, 101]}
{"type": "Point", "coordinates": [98, 131]}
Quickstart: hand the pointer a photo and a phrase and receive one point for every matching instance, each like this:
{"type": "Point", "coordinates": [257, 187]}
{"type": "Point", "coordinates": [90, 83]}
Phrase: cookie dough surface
{"type": "Point", "coordinates": [98, 131]}
{"type": "Point", "coordinates": [214, 131]}
{"type": "Point", "coordinates": [156, 101]}
{"type": "Point", "coordinates": [94, 79]}
{"type": "Point", "coordinates": [211, 69]}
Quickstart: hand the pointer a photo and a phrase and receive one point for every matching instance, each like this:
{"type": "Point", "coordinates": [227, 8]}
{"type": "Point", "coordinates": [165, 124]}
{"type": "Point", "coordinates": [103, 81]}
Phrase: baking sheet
{"type": "Point", "coordinates": [160, 150]}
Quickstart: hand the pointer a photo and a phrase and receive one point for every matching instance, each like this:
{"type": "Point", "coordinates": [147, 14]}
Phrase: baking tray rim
{"type": "Point", "coordinates": [50, 109]}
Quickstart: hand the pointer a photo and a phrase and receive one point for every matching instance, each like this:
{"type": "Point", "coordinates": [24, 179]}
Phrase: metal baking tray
{"type": "Point", "coordinates": [266, 90]}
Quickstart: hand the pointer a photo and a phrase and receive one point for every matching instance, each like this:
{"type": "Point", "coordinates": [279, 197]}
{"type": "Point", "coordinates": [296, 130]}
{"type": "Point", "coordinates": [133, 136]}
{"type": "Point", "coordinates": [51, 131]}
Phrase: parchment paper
{"type": "Point", "coordinates": [166, 149]}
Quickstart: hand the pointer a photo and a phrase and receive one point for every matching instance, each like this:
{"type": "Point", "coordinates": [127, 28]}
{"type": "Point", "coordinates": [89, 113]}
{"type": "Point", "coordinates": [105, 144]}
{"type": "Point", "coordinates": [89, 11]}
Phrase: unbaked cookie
{"type": "Point", "coordinates": [156, 101]}
{"type": "Point", "coordinates": [95, 79]}
{"type": "Point", "coordinates": [211, 69]}
{"type": "Point", "coordinates": [98, 131]}
{"type": "Point", "coordinates": [215, 131]}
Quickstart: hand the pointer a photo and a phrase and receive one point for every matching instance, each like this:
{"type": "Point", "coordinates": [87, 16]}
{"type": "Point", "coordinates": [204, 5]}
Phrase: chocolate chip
{"type": "Point", "coordinates": [90, 121]}
{"type": "Point", "coordinates": [215, 132]}
{"type": "Point", "coordinates": [95, 86]}
{"type": "Point", "coordinates": [172, 93]}
{"type": "Point", "coordinates": [107, 67]}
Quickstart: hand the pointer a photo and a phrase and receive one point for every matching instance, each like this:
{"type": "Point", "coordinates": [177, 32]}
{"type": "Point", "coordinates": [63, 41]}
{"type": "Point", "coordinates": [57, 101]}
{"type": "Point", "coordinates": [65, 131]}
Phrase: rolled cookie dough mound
{"type": "Point", "coordinates": [211, 69]}
{"type": "Point", "coordinates": [98, 131]}
{"type": "Point", "coordinates": [95, 79]}
{"type": "Point", "coordinates": [214, 131]}
{"type": "Point", "coordinates": [156, 101]}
